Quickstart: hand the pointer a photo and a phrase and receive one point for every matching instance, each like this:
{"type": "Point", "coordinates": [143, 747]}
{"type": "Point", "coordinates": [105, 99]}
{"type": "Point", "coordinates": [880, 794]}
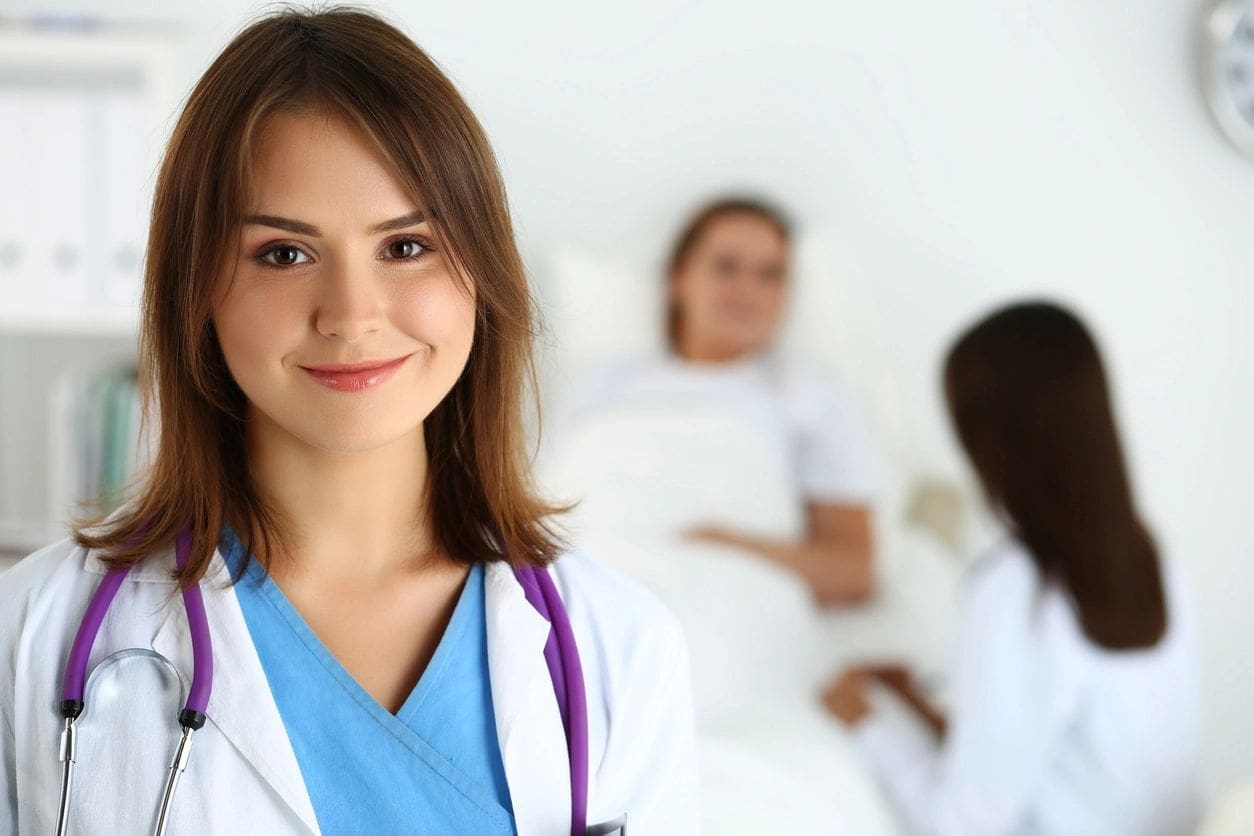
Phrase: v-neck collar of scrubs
{"type": "Point", "coordinates": [422, 737]}
{"type": "Point", "coordinates": [431, 675]}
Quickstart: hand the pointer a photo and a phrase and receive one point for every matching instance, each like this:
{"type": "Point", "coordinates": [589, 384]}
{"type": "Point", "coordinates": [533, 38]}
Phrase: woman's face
{"type": "Point", "coordinates": [730, 290]}
{"type": "Point", "coordinates": [335, 267]}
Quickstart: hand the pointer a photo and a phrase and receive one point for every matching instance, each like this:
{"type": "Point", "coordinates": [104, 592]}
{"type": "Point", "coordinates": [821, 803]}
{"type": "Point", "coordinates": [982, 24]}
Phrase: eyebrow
{"type": "Point", "coordinates": [302, 228]}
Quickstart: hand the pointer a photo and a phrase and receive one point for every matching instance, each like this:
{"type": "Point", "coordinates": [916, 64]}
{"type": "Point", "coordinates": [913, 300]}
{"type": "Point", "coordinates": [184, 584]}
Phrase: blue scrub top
{"type": "Point", "coordinates": [433, 767]}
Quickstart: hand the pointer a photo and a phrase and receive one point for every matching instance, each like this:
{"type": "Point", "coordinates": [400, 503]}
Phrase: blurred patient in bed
{"type": "Point", "coordinates": [739, 485]}
{"type": "Point", "coordinates": [727, 281]}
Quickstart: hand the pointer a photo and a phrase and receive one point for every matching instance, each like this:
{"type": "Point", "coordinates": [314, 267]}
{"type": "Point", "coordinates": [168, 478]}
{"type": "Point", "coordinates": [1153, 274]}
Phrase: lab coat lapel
{"type": "Point", "coordinates": [241, 705]}
{"type": "Point", "coordinates": [528, 722]}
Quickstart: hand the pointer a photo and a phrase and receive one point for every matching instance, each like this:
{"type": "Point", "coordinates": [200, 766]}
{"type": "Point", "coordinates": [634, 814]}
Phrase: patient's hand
{"type": "Point", "coordinates": [897, 678]}
{"type": "Point", "coordinates": [845, 697]}
{"type": "Point", "coordinates": [714, 534]}
{"type": "Point", "coordinates": [835, 558]}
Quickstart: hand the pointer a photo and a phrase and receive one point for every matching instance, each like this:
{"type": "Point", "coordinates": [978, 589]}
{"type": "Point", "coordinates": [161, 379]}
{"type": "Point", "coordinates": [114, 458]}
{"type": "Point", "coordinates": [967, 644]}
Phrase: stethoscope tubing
{"type": "Point", "coordinates": [561, 655]}
{"type": "Point", "coordinates": [191, 718]}
{"type": "Point", "coordinates": [98, 608]}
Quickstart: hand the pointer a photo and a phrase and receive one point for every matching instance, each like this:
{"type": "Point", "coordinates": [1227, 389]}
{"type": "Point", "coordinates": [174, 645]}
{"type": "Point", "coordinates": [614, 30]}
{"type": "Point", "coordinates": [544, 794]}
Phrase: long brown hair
{"type": "Point", "coordinates": [696, 226]}
{"type": "Point", "coordinates": [1030, 403]}
{"type": "Point", "coordinates": [351, 63]}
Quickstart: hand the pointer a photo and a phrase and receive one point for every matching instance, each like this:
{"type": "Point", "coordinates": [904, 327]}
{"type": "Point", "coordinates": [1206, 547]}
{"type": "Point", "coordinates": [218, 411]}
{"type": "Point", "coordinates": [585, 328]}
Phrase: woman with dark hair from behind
{"type": "Point", "coordinates": [1073, 702]}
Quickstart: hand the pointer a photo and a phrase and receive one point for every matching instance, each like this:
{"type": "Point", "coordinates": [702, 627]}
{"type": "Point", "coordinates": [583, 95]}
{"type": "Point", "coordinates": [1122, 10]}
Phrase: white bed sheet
{"type": "Point", "coordinates": [771, 759]}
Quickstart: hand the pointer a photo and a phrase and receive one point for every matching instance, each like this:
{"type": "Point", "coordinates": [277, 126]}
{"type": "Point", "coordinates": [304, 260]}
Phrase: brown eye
{"type": "Point", "coordinates": [286, 255]}
{"type": "Point", "coordinates": [283, 255]}
{"type": "Point", "coordinates": [407, 249]}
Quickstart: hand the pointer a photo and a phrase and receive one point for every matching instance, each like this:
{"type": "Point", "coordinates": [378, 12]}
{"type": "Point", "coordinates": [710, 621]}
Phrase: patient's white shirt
{"type": "Point", "coordinates": [830, 452]}
{"type": "Point", "coordinates": [1048, 732]}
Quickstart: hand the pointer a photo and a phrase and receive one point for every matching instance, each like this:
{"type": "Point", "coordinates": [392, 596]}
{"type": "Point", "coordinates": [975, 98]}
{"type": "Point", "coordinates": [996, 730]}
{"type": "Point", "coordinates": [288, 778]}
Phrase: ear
{"type": "Point", "coordinates": [675, 286]}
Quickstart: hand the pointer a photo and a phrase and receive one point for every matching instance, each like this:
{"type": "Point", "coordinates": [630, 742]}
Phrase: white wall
{"type": "Point", "coordinates": [974, 150]}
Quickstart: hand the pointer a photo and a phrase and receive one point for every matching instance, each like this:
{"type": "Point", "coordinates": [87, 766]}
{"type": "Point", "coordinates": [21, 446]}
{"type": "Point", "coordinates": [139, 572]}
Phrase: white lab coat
{"type": "Point", "coordinates": [243, 776]}
{"type": "Point", "coordinates": [1049, 733]}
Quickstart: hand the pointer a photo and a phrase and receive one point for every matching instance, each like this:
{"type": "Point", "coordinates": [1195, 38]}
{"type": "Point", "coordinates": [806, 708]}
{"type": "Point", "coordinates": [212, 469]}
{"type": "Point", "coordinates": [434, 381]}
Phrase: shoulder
{"type": "Point", "coordinates": [1004, 585]}
{"type": "Point", "coordinates": [1005, 566]}
{"type": "Point", "coordinates": [619, 615]}
{"type": "Point", "coordinates": [1181, 617]}
{"type": "Point", "coordinates": [812, 393]}
{"type": "Point", "coordinates": [800, 372]}
{"type": "Point", "coordinates": [36, 592]}
{"type": "Point", "coordinates": [60, 578]}
{"type": "Point", "coordinates": [641, 729]}
{"type": "Point", "coordinates": [52, 567]}
{"type": "Point", "coordinates": [1005, 592]}
{"type": "Point", "coordinates": [612, 600]}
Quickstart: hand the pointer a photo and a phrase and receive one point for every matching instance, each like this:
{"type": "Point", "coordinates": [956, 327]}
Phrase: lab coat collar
{"type": "Point", "coordinates": [528, 721]}
{"type": "Point", "coordinates": [241, 705]}
{"type": "Point", "coordinates": [158, 568]}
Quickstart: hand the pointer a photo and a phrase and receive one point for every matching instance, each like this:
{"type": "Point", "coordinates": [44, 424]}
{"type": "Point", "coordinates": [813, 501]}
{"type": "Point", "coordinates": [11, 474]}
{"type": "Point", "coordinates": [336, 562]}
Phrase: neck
{"type": "Point", "coordinates": [349, 515]}
{"type": "Point", "coordinates": [696, 351]}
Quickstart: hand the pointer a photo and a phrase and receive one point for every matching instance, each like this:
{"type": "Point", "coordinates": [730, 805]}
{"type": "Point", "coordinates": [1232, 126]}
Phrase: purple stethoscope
{"type": "Point", "coordinates": [560, 654]}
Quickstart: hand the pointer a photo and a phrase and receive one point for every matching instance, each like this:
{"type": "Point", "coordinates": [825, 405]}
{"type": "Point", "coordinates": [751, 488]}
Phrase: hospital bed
{"type": "Point", "coordinates": [761, 648]}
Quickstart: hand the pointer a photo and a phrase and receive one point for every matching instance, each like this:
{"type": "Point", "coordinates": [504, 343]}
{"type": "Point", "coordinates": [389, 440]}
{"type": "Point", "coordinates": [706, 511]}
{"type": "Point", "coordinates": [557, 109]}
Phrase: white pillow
{"type": "Point", "coordinates": [595, 309]}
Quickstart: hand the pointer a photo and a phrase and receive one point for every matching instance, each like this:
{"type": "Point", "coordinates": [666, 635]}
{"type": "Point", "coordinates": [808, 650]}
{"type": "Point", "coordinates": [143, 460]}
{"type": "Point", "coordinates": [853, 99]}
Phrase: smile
{"type": "Point", "coordinates": [355, 377]}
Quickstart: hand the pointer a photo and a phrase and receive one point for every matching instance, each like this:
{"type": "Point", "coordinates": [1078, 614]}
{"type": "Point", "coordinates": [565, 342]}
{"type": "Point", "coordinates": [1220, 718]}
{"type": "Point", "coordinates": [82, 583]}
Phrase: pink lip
{"type": "Point", "coordinates": [355, 377]}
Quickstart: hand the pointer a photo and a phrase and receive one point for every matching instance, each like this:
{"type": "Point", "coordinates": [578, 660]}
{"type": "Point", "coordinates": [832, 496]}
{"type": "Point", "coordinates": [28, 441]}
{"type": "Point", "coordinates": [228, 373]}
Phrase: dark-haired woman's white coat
{"type": "Point", "coordinates": [1049, 733]}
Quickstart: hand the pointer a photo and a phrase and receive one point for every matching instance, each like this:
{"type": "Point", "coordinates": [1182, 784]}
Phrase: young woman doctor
{"type": "Point", "coordinates": [337, 332]}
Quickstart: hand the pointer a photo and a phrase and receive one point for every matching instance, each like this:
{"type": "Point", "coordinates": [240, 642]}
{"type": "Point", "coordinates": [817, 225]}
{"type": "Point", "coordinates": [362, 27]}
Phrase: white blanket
{"type": "Point", "coordinates": [772, 760]}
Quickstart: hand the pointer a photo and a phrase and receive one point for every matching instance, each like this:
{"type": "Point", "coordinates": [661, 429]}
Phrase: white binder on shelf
{"type": "Point", "coordinates": [73, 105]}
{"type": "Point", "coordinates": [12, 212]}
{"type": "Point", "coordinates": [55, 188]}
{"type": "Point", "coordinates": [126, 184]}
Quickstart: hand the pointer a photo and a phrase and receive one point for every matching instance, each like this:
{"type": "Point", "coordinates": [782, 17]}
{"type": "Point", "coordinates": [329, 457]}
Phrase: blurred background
{"type": "Point", "coordinates": [938, 159]}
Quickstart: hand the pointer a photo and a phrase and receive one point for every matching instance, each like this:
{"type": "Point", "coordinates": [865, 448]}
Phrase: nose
{"type": "Point", "coordinates": [350, 304]}
{"type": "Point", "coordinates": [745, 287]}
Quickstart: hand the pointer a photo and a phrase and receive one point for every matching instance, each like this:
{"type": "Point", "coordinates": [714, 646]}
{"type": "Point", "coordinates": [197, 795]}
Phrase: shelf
{"type": "Point", "coordinates": [118, 86]}
{"type": "Point", "coordinates": [20, 539]}
{"type": "Point", "coordinates": [78, 41]}
{"type": "Point", "coordinates": [85, 323]}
